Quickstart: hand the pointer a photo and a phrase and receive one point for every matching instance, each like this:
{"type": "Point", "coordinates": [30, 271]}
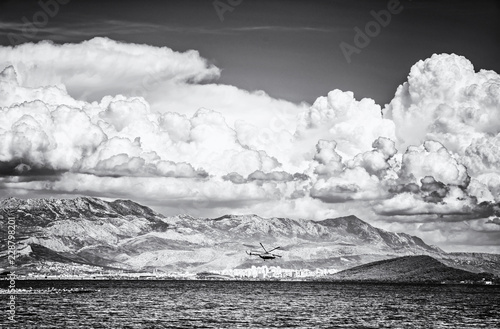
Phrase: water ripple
{"type": "Point", "coordinates": [215, 304]}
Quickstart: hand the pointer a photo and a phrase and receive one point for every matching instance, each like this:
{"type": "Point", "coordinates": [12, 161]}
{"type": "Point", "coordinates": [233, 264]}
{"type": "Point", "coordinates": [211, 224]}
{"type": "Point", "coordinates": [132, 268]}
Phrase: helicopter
{"type": "Point", "coordinates": [266, 254]}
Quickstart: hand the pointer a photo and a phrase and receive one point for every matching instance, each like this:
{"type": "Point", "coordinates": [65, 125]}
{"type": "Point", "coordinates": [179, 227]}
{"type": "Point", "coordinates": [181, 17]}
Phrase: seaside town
{"type": "Point", "coordinates": [62, 271]}
{"type": "Point", "coordinates": [59, 271]}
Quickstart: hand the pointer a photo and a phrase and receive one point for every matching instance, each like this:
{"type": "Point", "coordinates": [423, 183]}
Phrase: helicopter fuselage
{"type": "Point", "coordinates": [266, 254]}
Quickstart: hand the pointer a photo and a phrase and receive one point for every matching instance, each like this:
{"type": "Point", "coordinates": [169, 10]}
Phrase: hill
{"type": "Point", "coordinates": [409, 269]}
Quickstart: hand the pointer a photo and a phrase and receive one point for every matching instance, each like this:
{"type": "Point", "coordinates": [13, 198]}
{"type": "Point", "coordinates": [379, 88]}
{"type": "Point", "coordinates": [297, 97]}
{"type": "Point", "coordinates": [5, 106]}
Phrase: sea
{"type": "Point", "coordinates": [253, 304]}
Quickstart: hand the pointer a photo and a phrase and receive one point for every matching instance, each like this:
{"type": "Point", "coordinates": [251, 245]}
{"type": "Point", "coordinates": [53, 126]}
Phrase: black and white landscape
{"type": "Point", "coordinates": [55, 235]}
{"type": "Point", "coordinates": [178, 139]}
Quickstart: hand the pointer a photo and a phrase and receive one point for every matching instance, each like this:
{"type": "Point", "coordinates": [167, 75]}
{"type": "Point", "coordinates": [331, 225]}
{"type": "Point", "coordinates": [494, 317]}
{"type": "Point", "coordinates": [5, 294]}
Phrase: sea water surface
{"type": "Point", "coordinates": [254, 304]}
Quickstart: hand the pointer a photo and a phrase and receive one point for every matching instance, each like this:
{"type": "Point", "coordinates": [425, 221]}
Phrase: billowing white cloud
{"type": "Point", "coordinates": [150, 124]}
{"type": "Point", "coordinates": [482, 159]}
{"type": "Point", "coordinates": [98, 67]}
{"type": "Point", "coordinates": [31, 133]}
{"type": "Point", "coordinates": [445, 100]}
{"type": "Point", "coordinates": [170, 81]}
{"type": "Point", "coordinates": [120, 136]}
{"type": "Point", "coordinates": [276, 176]}
{"type": "Point", "coordinates": [454, 203]}
{"type": "Point", "coordinates": [329, 162]}
{"type": "Point", "coordinates": [433, 159]}
{"type": "Point", "coordinates": [376, 162]}
{"type": "Point", "coordinates": [351, 184]}
{"type": "Point", "coordinates": [363, 178]}
{"type": "Point", "coordinates": [352, 124]}
{"type": "Point", "coordinates": [431, 182]}
{"type": "Point", "coordinates": [492, 182]}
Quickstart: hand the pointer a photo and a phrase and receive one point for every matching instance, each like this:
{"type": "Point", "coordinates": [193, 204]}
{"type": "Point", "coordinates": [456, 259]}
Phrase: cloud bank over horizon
{"type": "Point", "coordinates": [120, 120]}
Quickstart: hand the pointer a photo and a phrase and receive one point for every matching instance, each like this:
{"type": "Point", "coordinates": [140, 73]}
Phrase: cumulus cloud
{"type": "Point", "coordinates": [492, 182]}
{"type": "Point", "coordinates": [120, 136]}
{"type": "Point", "coordinates": [32, 134]}
{"type": "Point", "coordinates": [363, 178]}
{"type": "Point", "coordinates": [483, 155]}
{"type": "Point", "coordinates": [277, 176]}
{"type": "Point", "coordinates": [433, 159]}
{"type": "Point", "coordinates": [121, 157]}
{"type": "Point", "coordinates": [120, 146]}
{"type": "Point", "coordinates": [452, 205]}
{"type": "Point", "coordinates": [455, 236]}
{"type": "Point", "coordinates": [430, 181]}
{"type": "Point", "coordinates": [481, 191]}
{"type": "Point", "coordinates": [376, 162]}
{"type": "Point", "coordinates": [354, 125]}
{"type": "Point", "coordinates": [445, 100]}
{"type": "Point", "coordinates": [104, 66]}
{"type": "Point", "coordinates": [170, 81]}
{"type": "Point", "coordinates": [351, 184]}
{"type": "Point", "coordinates": [151, 124]}
{"type": "Point", "coordinates": [329, 162]}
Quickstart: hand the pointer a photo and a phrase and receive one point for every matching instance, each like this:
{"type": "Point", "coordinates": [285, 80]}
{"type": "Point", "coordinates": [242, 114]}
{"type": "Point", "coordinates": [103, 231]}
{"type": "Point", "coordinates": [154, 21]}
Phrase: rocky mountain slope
{"type": "Point", "coordinates": [410, 269]}
{"type": "Point", "coordinates": [124, 234]}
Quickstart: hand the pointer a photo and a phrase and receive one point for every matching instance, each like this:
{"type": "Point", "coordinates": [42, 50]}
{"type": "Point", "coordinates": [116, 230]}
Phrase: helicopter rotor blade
{"type": "Point", "coordinates": [274, 249]}
{"type": "Point", "coordinates": [263, 247]}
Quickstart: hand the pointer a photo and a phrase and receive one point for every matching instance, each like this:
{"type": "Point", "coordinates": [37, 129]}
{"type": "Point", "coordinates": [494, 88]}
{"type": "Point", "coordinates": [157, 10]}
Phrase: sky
{"type": "Point", "coordinates": [388, 110]}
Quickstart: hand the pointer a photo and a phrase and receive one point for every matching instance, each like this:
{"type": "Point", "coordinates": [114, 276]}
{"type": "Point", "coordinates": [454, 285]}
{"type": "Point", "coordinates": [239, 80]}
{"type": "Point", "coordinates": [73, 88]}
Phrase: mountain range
{"type": "Point", "coordinates": [123, 234]}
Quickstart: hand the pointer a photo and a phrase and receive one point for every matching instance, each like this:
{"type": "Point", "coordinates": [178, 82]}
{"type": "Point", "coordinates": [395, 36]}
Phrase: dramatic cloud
{"type": "Point", "coordinates": [432, 159]}
{"type": "Point", "coordinates": [170, 81]}
{"type": "Point", "coordinates": [34, 135]}
{"type": "Point", "coordinates": [361, 179]}
{"type": "Point", "coordinates": [445, 100]}
{"type": "Point", "coordinates": [377, 162]}
{"type": "Point", "coordinates": [354, 125]}
{"type": "Point", "coordinates": [148, 123]}
{"type": "Point", "coordinates": [454, 112]}
{"type": "Point", "coordinates": [100, 66]}
{"type": "Point", "coordinates": [432, 182]}
{"type": "Point", "coordinates": [329, 161]}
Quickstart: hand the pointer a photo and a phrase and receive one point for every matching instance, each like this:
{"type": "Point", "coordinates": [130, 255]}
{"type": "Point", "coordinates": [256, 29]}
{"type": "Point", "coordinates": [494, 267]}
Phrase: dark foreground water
{"type": "Point", "coordinates": [218, 304]}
